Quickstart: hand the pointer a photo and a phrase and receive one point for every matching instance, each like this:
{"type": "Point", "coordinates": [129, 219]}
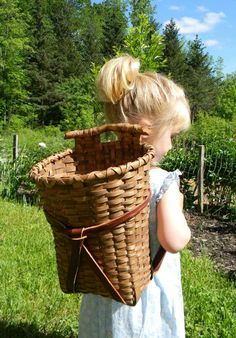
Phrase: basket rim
{"type": "Point", "coordinates": [135, 129]}
{"type": "Point", "coordinates": [92, 175]}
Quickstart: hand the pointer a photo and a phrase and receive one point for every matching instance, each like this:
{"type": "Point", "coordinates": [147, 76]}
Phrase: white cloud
{"type": "Point", "coordinates": [175, 8]}
{"type": "Point", "coordinates": [202, 9]}
{"type": "Point", "coordinates": [211, 43]}
{"type": "Point", "coordinates": [189, 25]}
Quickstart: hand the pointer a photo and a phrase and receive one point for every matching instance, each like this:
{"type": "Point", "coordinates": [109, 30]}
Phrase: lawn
{"type": "Point", "coordinates": [32, 304]}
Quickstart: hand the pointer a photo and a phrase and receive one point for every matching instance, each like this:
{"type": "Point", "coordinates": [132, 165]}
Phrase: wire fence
{"type": "Point", "coordinates": [218, 179]}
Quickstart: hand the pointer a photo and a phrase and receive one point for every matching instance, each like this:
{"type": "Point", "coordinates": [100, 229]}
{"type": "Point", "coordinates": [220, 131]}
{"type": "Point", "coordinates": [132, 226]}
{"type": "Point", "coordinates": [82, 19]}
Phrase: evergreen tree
{"type": "Point", "coordinates": [174, 53]}
{"type": "Point", "coordinates": [90, 34]}
{"type": "Point", "coordinates": [65, 19]}
{"type": "Point", "coordinates": [114, 24]}
{"type": "Point", "coordinates": [13, 47]}
{"type": "Point", "coordinates": [55, 55]}
{"type": "Point", "coordinates": [139, 7]}
{"type": "Point", "coordinates": [200, 83]}
{"type": "Point", "coordinates": [42, 63]}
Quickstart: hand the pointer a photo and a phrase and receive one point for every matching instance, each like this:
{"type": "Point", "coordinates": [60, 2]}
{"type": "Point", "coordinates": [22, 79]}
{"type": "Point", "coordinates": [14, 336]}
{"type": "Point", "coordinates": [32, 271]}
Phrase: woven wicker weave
{"type": "Point", "coordinates": [96, 200]}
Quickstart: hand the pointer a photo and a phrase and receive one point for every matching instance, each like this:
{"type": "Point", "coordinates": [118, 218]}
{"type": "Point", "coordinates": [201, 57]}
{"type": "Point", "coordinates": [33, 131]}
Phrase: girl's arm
{"type": "Point", "coordinates": [173, 232]}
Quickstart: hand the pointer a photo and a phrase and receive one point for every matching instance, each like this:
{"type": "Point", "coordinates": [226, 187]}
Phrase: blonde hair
{"type": "Point", "coordinates": [131, 96]}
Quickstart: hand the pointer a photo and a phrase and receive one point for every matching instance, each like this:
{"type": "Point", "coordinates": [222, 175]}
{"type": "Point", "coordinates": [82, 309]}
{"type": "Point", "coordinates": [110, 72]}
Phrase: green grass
{"type": "Point", "coordinates": [210, 299]}
{"type": "Point", "coordinates": [32, 304]}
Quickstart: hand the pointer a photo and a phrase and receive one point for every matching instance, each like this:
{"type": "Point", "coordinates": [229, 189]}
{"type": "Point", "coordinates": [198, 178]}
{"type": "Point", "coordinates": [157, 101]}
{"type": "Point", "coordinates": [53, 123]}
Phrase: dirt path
{"type": "Point", "coordinates": [216, 239]}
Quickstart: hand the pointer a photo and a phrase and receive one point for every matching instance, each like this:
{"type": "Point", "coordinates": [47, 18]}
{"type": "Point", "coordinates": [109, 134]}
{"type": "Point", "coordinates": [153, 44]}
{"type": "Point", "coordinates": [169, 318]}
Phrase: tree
{"type": "Point", "coordinates": [102, 27]}
{"type": "Point", "coordinates": [139, 7]}
{"type": "Point", "coordinates": [174, 53]}
{"type": "Point", "coordinates": [76, 107]}
{"type": "Point", "coordinates": [143, 43]}
{"type": "Point", "coordinates": [90, 35]}
{"type": "Point", "coordinates": [55, 55]}
{"type": "Point", "coordinates": [42, 62]}
{"type": "Point", "coordinates": [80, 107]}
{"type": "Point", "coordinates": [114, 24]}
{"type": "Point", "coordinates": [13, 46]}
{"type": "Point", "coordinates": [200, 82]}
{"type": "Point", "coordinates": [226, 100]}
{"type": "Point", "coordinates": [66, 22]}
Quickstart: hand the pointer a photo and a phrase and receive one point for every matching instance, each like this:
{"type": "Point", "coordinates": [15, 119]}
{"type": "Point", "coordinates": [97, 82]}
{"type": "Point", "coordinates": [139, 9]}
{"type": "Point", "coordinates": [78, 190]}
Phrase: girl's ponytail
{"type": "Point", "coordinates": [116, 78]}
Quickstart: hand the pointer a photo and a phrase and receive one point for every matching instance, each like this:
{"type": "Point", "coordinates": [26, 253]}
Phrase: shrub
{"type": "Point", "coordinates": [219, 166]}
{"type": "Point", "coordinates": [14, 175]}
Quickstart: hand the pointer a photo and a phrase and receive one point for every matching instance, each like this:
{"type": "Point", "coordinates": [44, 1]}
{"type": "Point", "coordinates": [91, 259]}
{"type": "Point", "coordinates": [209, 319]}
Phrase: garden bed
{"type": "Point", "coordinates": [215, 238]}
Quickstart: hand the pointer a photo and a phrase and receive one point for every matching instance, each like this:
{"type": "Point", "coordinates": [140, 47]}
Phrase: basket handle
{"type": "Point", "coordinates": [134, 129]}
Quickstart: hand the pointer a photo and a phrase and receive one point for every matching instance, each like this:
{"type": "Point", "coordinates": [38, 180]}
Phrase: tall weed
{"type": "Point", "coordinates": [14, 175]}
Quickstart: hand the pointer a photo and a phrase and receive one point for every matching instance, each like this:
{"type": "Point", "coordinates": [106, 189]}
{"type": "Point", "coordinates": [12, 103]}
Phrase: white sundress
{"type": "Point", "coordinates": [159, 312]}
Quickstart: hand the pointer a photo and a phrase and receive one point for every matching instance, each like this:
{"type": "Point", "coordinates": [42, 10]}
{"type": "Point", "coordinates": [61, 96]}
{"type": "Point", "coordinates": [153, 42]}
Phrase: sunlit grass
{"type": "Point", "coordinates": [210, 299]}
{"type": "Point", "coordinates": [30, 293]}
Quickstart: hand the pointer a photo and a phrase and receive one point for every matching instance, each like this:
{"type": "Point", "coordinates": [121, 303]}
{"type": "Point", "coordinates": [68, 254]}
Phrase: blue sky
{"type": "Point", "coordinates": [213, 21]}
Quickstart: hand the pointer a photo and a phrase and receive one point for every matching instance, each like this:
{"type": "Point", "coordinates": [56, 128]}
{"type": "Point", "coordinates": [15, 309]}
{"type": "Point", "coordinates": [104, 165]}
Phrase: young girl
{"type": "Point", "coordinates": [154, 101]}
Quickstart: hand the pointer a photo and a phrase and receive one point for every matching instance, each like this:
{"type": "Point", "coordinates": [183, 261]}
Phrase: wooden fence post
{"type": "Point", "coordinates": [15, 147]}
{"type": "Point", "coordinates": [201, 177]}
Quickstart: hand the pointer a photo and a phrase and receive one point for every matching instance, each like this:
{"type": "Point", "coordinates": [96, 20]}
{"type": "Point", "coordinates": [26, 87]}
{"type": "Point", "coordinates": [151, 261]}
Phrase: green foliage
{"type": "Point", "coordinates": [13, 46]}
{"type": "Point", "coordinates": [43, 65]}
{"type": "Point", "coordinates": [90, 35]}
{"type": "Point", "coordinates": [226, 101]}
{"type": "Point", "coordinates": [29, 139]}
{"type": "Point", "coordinates": [80, 107]}
{"type": "Point", "coordinates": [139, 7]}
{"type": "Point", "coordinates": [218, 137]}
{"type": "Point", "coordinates": [77, 107]}
{"type": "Point", "coordinates": [16, 122]}
{"type": "Point", "coordinates": [65, 20]}
{"type": "Point", "coordinates": [200, 82]}
{"type": "Point", "coordinates": [114, 25]}
{"type": "Point", "coordinates": [55, 55]}
{"type": "Point", "coordinates": [209, 310]}
{"type": "Point", "coordinates": [174, 53]}
{"type": "Point", "coordinates": [209, 128]}
{"type": "Point", "coordinates": [14, 175]}
{"type": "Point", "coordinates": [43, 44]}
{"type": "Point", "coordinates": [142, 42]}
{"type": "Point", "coordinates": [184, 156]}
